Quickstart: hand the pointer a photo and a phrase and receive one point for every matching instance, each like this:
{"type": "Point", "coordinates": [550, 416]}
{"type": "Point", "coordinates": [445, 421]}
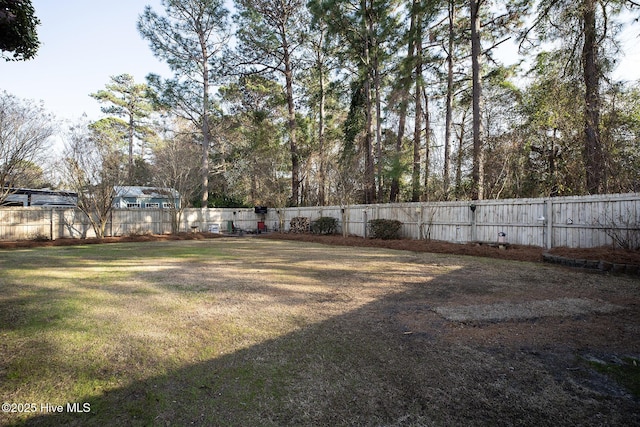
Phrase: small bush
{"type": "Point", "coordinates": [623, 230]}
{"type": "Point", "coordinates": [385, 229]}
{"type": "Point", "coordinates": [324, 225]}
{"type": "Point", "coordinates": [39, 237]}
{"type": "Point", "coordinates": [139, 232]}
{"type": "Point", "coordinates": [299, 224]}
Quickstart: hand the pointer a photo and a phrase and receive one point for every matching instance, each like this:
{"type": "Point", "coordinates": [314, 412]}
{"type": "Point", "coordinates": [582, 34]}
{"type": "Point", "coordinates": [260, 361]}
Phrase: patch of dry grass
{"type": "Point", "coordinates": [261, 332]}
{"type": "Point", "coordinates": [500, 312]}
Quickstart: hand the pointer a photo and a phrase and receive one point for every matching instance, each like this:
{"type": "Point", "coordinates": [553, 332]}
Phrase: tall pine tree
{"type": "Point", "coordinates": [190, 38]}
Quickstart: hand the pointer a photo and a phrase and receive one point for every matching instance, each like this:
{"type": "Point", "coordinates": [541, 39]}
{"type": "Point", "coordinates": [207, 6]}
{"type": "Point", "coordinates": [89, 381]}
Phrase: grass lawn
{"type": "Point", "coordinates": [259, 332]}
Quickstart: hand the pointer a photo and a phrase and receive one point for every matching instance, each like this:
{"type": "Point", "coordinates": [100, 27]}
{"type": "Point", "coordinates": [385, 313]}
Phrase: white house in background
{"type": "Point", "coordinates": [135, 197]}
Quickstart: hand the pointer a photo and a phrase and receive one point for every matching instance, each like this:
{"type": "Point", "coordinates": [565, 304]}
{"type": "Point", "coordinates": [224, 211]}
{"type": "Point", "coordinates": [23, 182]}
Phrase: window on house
{"type": "Point", "coordinates": [166, 205]}
{"type": "Point", "coordinates": [133, 205]}
{"type": "Point", "coordinates": [152, 205]}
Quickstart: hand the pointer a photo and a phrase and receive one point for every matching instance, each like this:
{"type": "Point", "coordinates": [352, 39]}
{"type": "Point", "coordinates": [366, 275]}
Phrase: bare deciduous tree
{"type": "Point", "coordinates": [94, 167]}
{"type": "Point", "coordinates": [24, 132]}
{"type": "Point", "coordinates": [176, 169]}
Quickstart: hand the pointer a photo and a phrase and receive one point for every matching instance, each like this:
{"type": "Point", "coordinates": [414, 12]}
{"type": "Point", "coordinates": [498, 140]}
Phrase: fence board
{"type": "Point", "coordinates": [568, 221]}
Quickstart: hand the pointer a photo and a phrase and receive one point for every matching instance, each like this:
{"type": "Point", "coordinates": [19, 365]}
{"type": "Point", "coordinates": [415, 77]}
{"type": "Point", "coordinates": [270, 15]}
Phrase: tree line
{"type": "Point", "coordinates": [331, 102]}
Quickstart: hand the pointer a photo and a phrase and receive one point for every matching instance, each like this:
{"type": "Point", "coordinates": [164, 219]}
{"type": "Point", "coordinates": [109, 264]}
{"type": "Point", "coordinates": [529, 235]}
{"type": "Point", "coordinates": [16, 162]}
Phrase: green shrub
{"type": "Point", "coordinates": [324, 225]}
{"type": "Point", "coordinates": [385, 229]}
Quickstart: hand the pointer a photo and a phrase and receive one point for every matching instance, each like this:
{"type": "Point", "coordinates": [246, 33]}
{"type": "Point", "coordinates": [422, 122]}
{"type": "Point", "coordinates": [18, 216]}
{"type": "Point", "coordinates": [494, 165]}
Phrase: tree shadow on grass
{"type": "Point", "coordinates": [365, 367]}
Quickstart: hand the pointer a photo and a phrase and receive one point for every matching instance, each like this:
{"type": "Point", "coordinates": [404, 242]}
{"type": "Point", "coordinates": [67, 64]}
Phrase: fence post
{"type": "Point", "coordinates": [474, 231]}
{"type": "Point", "coordinates": [364, 222]}
{"type": "Point", "coordinates": [549, 204]}
{"type": "Point", "coordinates": [419, 211]}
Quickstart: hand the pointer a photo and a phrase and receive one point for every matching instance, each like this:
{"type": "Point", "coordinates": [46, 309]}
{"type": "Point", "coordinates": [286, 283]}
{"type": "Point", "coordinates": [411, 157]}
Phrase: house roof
{"type": "Point", "coordinates": [145, 192]}
{"type": "Point", "coordinates": [41, 191]}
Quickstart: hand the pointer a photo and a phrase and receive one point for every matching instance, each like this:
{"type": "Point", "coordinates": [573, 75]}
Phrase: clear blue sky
{"type": "Point", "coordinates": [84, 42]}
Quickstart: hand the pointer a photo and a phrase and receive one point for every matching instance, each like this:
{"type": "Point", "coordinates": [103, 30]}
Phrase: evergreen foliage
{"type": "Point", "coordinates": [18, 30]}
{"type": "Point", "coordinates": [385, 229]}
{"type": "Point", "coordinates": [324, 225]}
{"type": "Point", "coordinates": [337, 102]}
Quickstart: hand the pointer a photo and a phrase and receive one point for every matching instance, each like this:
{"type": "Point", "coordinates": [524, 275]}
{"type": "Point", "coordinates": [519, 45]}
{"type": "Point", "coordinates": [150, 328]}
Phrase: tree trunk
{"type": "Point", "coordinates": [402, 121]}
{"type": "Point", "coordinates": [253, 187]}
{"type": "Point", "coordinates": [369, 183]}
{"type": "Point", "coordinates": [369, 178]}
{"type": "Point", "coordinates": [427, 137]}
{"type": "Point", "coordinates": [205, 125]}
{"type": "Point", "coordinates": [130, 136]}
{"type": "Point", "coordinates": [449, 104]}
{"type": "Point", "coordinates": [376, 84]}
{"type": "Point", "coordinates": [404, 100]}
{"type": "Point", "coordinates": [460, 156]}
{"type": "Point", "coordinates": [417, 138]}
{"type": "Point", "coordinates": [477, 177]}
{"type": "Point", "coordinates": [593, 156]}
{"type": "Point", "coordinates": [293, 146]}
{"type": "Point", "coordinates": [553, 152]}
{"type": "Point", "coordinates": [321, 131]}
{"type": "Point", "coordinates": [205, 150]}
{"type": "Point", "coordinates": [417, 130]}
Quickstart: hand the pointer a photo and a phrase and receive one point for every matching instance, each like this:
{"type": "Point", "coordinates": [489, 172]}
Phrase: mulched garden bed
{"type": "Point", "coordinates": [602, 258]}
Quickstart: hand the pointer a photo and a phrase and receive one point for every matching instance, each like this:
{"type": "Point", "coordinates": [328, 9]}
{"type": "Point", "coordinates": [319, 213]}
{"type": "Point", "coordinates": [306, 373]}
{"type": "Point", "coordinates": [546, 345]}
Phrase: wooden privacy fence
{"type": "Point", "coordinates": [588, 221]}
{"type": "Point", "coordinates": [579, 222]}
